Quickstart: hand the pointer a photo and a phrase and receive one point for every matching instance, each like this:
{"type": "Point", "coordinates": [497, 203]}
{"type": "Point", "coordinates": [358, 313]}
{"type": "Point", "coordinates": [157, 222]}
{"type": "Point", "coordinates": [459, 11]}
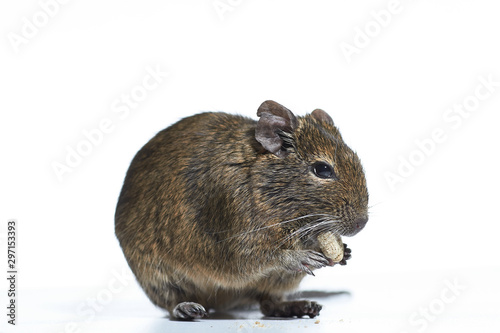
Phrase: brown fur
{"type": "Point", "coordinates": [218, 209]}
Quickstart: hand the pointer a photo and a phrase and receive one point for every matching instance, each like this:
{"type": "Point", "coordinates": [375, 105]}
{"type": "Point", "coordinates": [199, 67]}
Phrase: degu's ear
{"type": "Point", "coordinates": [274, 118]}
{"type": "Point", "coordinates": [321, 115]}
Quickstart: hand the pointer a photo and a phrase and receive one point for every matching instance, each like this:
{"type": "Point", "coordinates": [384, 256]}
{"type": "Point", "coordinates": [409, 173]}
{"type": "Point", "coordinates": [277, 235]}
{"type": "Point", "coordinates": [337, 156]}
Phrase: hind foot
{"type": "Point", "coordinates": [290, 309]}
{"type": "Point", "coordinates": [189, 311]}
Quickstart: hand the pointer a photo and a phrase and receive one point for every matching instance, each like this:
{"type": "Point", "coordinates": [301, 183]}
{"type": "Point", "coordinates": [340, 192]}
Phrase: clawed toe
{"type": "Point", "coordinates": [189, 311]}
{"type": "Point", "coordinates": [313, 260]}
{"type": "Point", "coordinates": [291, 309]}
{"type": "Point", "coordinates": [347, 255]}
{"type": "Point", "coordinates": [306, 308]}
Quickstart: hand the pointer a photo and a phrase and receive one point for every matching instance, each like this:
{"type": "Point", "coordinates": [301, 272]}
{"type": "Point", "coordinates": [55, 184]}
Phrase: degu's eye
{"type": "Point", "coordinates": [323, 170]}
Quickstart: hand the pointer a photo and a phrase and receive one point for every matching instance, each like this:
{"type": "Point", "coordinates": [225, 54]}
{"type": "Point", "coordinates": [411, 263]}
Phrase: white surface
{"type": "Point", "coordinates": [432, 301]}
{"type": "Point", "coordinates": [401, 88]}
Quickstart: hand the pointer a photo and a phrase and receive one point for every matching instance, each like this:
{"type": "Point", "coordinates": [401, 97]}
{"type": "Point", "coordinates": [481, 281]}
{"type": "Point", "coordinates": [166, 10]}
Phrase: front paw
{"type": "Point", "coordinates": [305, 260]}
{"type": "Point", "coordinates": [347, 255]}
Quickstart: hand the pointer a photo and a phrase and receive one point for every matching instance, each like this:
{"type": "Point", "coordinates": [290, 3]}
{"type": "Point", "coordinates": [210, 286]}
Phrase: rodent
{"type": "Point", "coordinates": [220, 210]}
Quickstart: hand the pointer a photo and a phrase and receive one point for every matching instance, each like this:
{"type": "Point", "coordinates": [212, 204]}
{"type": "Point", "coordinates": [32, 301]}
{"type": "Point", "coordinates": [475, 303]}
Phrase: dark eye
{"type": "Point", "coordinates": [323, 170]}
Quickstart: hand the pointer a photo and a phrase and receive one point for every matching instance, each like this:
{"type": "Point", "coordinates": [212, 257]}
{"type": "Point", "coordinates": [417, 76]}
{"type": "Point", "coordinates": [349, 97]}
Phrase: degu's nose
{"type": "Point", "coordinates": [360, 222]}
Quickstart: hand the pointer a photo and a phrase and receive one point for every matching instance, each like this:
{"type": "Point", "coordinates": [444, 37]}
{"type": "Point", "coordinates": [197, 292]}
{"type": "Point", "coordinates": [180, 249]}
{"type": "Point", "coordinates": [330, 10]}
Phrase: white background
{"type": "Point", "coordinates": [437, 225]}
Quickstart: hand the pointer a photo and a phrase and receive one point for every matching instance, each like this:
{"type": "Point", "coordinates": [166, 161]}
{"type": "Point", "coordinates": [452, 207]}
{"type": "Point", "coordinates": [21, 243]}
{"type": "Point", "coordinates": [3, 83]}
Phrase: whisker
{"type": "Point", "coordinates": [327, 224]}
{"type": "Point", "coordinates": [300, 232]}
{"type": "Point", "coordinates": [268, 226]}
{"type": "Point", "coordinates": [313, 228]}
